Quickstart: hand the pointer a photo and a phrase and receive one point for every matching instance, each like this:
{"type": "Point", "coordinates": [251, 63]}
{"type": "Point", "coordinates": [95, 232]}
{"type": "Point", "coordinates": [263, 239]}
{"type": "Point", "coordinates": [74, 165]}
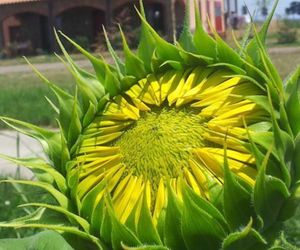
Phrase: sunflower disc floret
{"type": "Point", "coordinates": [185, 146]}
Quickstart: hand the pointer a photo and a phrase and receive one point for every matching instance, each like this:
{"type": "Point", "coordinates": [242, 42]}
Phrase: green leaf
{"type": "Point", "coordinates": [237, 208]}
{"type": "Point", "coordinates": [199, 228]}
{"type": "Point", "coordinates": [60, 228]}
{"type": "Point", "coordinates": [172, 230]}
{"type": "Point", "coordinates": [49, 240]}
{"type": "Point", "coordinates": [248, 239]}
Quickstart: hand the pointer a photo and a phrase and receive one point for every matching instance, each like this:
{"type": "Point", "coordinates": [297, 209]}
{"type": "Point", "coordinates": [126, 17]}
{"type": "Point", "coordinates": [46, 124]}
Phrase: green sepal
{"type": "Point", "coordinates": [133, 64]}
{"type": "Point", "coordinates": [284, 146]}
{"type": "Point", "coordinates": [127, 82]}
{"type": "Point", "coordinates": [112, 84]}
{"type": "Point", "coordinates": [106, 227]}
{"type": "Point", "coordinates": [65, 153]}
{"type": "Point", "coordinates": [237, 208]}
{"type": "Point", "coordinates": [49, 240]}
{"type": "Point", "coordinates": [269, 195]}
{"type": "Point", "coordinates": [163, 50]}
{"type": "Point", "coordinates": [98, 64]}
{"type": "Point", "coordinates": [248, 239]}
{"type": "Point", "coordinates": [169, 65]}
{"type": "Point", "coordinates": [146, 231]}
{"type": "Point", "coordinates": [236, 69]}
{"type": "Point", "coordinates": [59, 197]}
{"type": "Point", "coordinates": [172, 227]}
{"type": "Point", "coordinates": [252, 47]}
{"type": "Point", "coordinates": [186, 36]}
{"type": "Point", "coordinates": [89, 202]}
{"type": "Point", "coordinates": [204, 43]}
{"type": "Point", "coordinates": [37, 164]}
{"type": "Point", "coordinates": [147, 43]}
{"type": "Point", "coordinates": [97, 218]}
{"type": "Point", "coordinates": [207, 207]}
{"type": "Point", "coordinates": [292, 103]}
{"type": "Point", "coordinates": [200, 228]}
{"type": "Point", "coordinates": [90, 87]}
{"type": "Point", "coordinates": [292, 203]}
{"type": "Point", "coordinates": [75, 125]}
{"type": "Point", "coordinates": [121, 234]}
{"type": "Point", "coordinates": [50, 140]}
{"type": "Point", "coordinates": [146, 247]}
{"type": "Point", "coordinates": [89, 115]}
{"type": "Point", "coordinates": [194, 60]}
{"type": "Point", "coordinates": [296, 159]}
{"type": "Point", "coordinates": [226, 54]}
{"type": "Point", "coordinates": [118, 62]}
{"type": "Point", "coordinates": [102, 102]}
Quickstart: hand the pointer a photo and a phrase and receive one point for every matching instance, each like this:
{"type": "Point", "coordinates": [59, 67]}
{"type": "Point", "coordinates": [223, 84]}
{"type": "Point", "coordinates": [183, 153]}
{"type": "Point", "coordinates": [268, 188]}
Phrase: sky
{"type": "Point", "coordinates": [280, 11]}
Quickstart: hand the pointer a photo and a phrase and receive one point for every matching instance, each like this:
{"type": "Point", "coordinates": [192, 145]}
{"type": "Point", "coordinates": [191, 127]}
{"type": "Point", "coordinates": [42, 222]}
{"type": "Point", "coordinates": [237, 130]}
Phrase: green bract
{"type": "Point", "coordinates": [191, 145]}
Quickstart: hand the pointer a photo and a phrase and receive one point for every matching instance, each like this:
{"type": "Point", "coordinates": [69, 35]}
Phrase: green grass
{"type": "Point", "coordinates": [22, 96]}
{"type": "Point", "coordinates": [35, 59]}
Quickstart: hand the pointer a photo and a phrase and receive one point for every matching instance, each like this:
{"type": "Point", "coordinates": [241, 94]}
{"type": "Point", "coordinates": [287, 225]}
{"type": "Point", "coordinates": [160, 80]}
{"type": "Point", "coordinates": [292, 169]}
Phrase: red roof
{"type": "Point", "coordinates": [4, 2]}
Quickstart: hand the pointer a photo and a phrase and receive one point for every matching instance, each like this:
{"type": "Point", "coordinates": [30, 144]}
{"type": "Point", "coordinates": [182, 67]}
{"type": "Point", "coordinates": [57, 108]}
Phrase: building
{"type": "Point", "coordinates": [28, 24]}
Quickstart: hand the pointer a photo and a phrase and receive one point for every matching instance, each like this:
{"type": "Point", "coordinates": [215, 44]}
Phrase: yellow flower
{"type": "Point", "coordinates": [191, 145]}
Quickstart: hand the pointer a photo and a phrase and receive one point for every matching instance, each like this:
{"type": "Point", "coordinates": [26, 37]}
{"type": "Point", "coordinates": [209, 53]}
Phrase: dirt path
{"type": "Point", "coordinates": [42, 67]}
{"type": "Point", "coordinates": [84, 63]}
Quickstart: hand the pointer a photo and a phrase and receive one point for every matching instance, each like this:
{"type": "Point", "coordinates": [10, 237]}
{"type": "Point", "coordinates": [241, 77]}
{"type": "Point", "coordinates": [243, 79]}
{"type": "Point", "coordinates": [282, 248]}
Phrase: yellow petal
{"type": "Point", "coordinates": [160, 201]}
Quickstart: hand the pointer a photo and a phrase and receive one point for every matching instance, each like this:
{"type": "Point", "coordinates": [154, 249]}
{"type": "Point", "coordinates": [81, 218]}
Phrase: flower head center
{"type": "Point", "coordinates": [161, 142]}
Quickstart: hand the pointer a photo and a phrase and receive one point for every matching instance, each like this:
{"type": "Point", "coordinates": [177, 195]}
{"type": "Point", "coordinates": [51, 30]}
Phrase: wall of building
{"type": "Point", "coordinates": [85, 18]}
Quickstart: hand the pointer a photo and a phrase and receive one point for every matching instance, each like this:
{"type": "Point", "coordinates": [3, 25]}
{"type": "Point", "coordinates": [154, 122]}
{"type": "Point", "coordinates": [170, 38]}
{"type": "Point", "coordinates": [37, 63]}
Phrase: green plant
{"type": "Point", "coordinates": [180, 146]}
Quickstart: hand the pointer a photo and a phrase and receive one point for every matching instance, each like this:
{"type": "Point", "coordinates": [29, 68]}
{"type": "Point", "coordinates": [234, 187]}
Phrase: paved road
{"type": "Point", "coordinates": [8, 146]}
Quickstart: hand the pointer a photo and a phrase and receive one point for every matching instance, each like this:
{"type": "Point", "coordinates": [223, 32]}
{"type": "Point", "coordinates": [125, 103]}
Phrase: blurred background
{"type": "Point", "coordinates": [26, 29]}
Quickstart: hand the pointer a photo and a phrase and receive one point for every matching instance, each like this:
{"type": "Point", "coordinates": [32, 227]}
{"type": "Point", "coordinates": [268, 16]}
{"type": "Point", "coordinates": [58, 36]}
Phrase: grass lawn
{"type": "Point", "coordinates": [22, 96]}
{"type": "Point", "coordinates": [35, 59]}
